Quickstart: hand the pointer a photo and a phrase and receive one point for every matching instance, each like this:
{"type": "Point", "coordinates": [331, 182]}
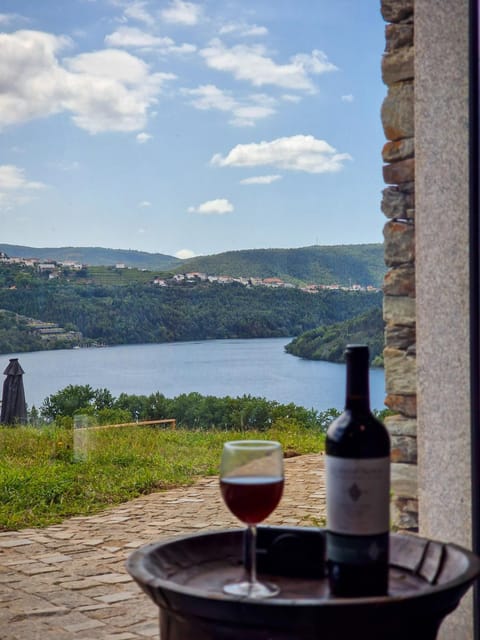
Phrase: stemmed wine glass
{"type": "Point", "coordinates": [251, 482]}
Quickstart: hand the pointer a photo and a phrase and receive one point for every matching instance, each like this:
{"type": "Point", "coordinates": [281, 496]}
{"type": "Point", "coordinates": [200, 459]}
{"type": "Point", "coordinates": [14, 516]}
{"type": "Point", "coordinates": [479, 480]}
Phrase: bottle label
{"type": "Point", "coordinates": [357, 549]}
{"type": "Point", "coordinates": [358, 495]}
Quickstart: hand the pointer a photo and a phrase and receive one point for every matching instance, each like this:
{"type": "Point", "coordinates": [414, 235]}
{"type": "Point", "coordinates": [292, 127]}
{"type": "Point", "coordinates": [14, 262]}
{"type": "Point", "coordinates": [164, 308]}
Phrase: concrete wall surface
{"type": "Point", "coordinates": [442, 280]}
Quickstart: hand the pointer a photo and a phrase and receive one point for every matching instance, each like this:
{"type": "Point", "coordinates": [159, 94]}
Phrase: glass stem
{"type": "Point", "coordinates": [252, 551]}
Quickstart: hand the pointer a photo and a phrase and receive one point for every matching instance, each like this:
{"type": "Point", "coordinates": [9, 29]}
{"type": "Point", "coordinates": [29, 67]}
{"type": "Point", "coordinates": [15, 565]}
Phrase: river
{"type": "Point", "coordinates": [259, 367]}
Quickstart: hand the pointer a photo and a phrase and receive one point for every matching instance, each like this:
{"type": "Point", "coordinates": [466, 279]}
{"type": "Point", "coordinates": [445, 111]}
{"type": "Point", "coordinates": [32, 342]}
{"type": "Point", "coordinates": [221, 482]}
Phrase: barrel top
{"type": "Point", "coordinates": [197, 566]}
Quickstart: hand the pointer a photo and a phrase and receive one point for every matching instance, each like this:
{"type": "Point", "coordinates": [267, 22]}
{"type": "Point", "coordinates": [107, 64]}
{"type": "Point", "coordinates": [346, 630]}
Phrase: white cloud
{"type": "Point", "coordinates": [297, 153]}
{"type": "Point", "coordinates": [208, 96]}
{"type": "Point", "coordinates": [261, 179]}
{"type": "Point", "coordinates": [143, 137]}
{"type": "Point", "coordinates": [132, 37]}
{"type": "Point", "coordinates": [184, 254]}
{"type": "Point", "coordinates": [347, 98]}
{"type": "Point", "coordinates": [8, 18]}
{"type": "Point", "coordinates": [108, 90]}
{"type": "Point", "coordinates": [243, 29]}
{"type": "Point", "coordinates": [288, 97]}
{"type": "Point", "coordinates": [244, 112]}
{"type": "Point", "coordinates": [33, 83]}
{"type": "Point", "coordinates": [137, 11]}
{"type": "Point", "coordinates": [251, 63]}
{"type": "Point", "coordinates": [180, 12]}
{"type": "Point", "coordinates": [213, 207]}
{"type": "Point", "coordinates": [145, 203]}
{"type": "Point", "coordinates": [15, 189]}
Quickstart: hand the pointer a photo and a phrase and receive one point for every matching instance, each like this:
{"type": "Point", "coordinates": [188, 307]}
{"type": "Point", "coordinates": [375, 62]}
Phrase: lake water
{"type": "Point", "coordinates": [258, 367]}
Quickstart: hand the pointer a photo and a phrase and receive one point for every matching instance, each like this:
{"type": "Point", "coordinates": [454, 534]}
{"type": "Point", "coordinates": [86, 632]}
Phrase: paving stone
{"type": "Point", "coordinates": [148, 630]}
{"type": "Point", "coordinates": [36, 568]}
{"type": "Point", "coordinates": [117, 597]}
{"type": "Point", "coordinates": [82, 626]}
{"type": "Point", "coordinates": [54, 558]}
{"type": "Point", "coordinates": [15, 542]}
{"type": "Point", "coordinates": [76, 585]}
{"type": "Point", "coordinates": [113, 578]}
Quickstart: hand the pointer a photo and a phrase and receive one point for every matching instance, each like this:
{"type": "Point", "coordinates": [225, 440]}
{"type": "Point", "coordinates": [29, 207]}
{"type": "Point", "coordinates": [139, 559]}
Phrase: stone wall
{"type": "Point", "coordinates": [398, 205]}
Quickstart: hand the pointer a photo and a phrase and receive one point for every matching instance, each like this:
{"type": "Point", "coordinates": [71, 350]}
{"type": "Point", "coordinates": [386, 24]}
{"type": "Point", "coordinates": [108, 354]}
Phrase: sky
{"type": "Point", "coordinates": [190, 128]}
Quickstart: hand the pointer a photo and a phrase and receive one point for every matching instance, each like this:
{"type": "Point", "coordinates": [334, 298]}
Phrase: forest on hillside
{"type": "Point", "coordinates": [136, 314]}
{"type": "Point", "coordinates": [341, 264]}
{"type": "Point", "coordinates": [327, 342]}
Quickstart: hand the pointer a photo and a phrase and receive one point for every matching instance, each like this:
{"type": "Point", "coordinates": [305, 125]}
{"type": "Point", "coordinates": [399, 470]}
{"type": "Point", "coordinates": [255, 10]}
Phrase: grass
{"type": "Point", "coordinates": [43, 480]}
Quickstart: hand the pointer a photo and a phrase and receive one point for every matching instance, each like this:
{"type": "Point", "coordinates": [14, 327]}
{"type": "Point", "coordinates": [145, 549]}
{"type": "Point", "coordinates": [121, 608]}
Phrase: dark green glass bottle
{"type": "Point", "coordinates": [358, 489]}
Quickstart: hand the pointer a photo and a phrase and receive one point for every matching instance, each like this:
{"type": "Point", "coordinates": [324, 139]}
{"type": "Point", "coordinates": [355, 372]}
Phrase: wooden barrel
{"type": "Point", "coordinates": [184, 577]}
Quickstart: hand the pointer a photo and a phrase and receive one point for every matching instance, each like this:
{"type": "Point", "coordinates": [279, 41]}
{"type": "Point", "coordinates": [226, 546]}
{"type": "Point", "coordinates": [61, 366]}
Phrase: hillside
{"type": "Point", "coordinates": [361, 264]}
{"type": "Point", "coordinates": [342, 264]}
{"type": "Point", "coordinates": [328, 342]}
{"type": "Point", "coordinates": [97, 256]}
{"type": "Point", "coordinates": [135, 313]}
{"type": "Point", "coordinates": [19, 333]}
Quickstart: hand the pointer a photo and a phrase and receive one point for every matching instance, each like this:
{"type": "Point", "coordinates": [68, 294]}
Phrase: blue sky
{"type": "Point", "coordinates": [190, 128]}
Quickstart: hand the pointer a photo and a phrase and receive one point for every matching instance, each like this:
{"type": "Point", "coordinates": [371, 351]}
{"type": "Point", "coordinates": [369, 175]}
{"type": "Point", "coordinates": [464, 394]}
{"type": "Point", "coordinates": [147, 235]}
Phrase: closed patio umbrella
{"type": "Point", "coordinates": [14, 408]}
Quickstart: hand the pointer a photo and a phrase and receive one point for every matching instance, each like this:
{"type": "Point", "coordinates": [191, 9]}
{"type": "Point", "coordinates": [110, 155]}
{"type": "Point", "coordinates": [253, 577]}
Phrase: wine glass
{"type": "Point", "coordinates": [251, 482]}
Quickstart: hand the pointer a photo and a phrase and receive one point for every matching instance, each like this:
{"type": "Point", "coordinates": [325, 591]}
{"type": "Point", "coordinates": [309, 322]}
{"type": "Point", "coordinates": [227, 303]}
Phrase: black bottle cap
{"type": "Point", "coordinates": [359, 351]}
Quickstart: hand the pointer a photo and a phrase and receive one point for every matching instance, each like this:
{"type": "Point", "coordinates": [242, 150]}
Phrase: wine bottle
{"type": "Point", "coordinates": [358, 490]}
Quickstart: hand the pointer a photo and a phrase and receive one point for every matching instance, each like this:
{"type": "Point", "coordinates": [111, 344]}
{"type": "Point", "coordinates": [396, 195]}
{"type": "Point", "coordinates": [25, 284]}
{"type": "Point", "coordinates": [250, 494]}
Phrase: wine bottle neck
{"type": "Point", "coordinates": [358, 390]}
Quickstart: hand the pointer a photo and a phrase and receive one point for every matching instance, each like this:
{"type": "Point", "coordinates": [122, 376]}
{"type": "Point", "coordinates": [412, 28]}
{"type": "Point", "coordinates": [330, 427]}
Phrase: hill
{"type": "Point", "coordinates": [341, 264]}
{"type": "Point", "coordinates": [97, 256]}
{"type": "Point", "coordinates": [328, 342]}
{"type": "Point", "coordinates": [361, 264]}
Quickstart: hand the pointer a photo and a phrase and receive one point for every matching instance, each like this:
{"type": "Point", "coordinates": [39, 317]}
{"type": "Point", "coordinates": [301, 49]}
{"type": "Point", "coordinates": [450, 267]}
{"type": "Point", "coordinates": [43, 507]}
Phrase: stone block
{"type": "Point", "coordinates": [397, 425]}
{"type": "Point", "coordinates": [402, 404]}
{"type": "Point", "coordinates": [400, 281]}
{"type": "Point", "coordinates": [398, 65]}
{"type": "Point", "coordinates": [400, 336]}
{"type": "Point", "coordinates": [400, 371]}
{"type": "Point", "coordinates": [397, 112]}
{"type": "Point", "coordinates": [404, 449]}
{"type": "Point", "coordinates": [396, 150]}
{"type": "Point", "coordinates": [404, 480]}
{"type": "Point", "coordinates": [404, 514]}
{"type": "Point", "coordinates": [397, 10]}
{"type": "Point", "coordinates": [396, 203]}
{"type": "Point", "coordinates": [398, 35]}
{"type": "Point", "coordinates": [399, 310]}
{"type": "Point", "coordinates": [399, 245]}
{"type": "Point", "coordinates": [398, 172]}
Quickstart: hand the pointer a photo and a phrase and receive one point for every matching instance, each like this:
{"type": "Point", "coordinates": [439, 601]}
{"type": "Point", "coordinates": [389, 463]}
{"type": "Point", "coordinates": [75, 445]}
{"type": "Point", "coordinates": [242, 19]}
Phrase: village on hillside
{"type": "Point", "coordinates": [54, 270]}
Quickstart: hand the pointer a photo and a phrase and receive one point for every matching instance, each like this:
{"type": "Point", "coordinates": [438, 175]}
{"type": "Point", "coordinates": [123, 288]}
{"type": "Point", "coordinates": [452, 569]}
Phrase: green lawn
{"type": "Point", "coordinates": [42, 481]}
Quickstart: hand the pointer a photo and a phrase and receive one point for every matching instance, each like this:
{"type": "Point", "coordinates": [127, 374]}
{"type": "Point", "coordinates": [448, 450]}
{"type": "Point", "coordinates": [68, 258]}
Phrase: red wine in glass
{"type": "Point", "coordinates": [251, 498]}
{"type": "Point", "coordinates": [251, 483]}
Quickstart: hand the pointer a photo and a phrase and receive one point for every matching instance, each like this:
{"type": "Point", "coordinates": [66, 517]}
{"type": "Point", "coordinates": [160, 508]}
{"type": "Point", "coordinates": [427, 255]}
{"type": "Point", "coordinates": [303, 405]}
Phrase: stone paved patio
{"type": "Point", "coordinates": [68, 581]}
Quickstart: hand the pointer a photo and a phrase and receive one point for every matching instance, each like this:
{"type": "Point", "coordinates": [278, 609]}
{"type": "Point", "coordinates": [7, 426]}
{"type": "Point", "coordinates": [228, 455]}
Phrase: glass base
{"type": "Point", "coordinates": [251, 589]}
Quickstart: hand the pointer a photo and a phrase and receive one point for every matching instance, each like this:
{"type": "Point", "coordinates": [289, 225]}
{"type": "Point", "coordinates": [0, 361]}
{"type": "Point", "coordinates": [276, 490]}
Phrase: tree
{"type": "Point", "coordinates": [68, 401]}
{"type": "Point", "coordinates": [103, 399]}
